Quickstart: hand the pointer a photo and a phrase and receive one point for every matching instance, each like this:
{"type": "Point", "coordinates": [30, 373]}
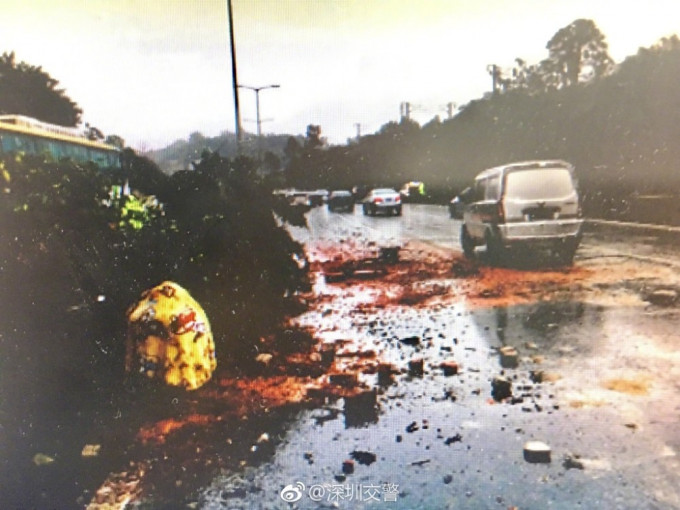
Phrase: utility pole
{"type": "Point", "coordinates": [405, 110]}
{"type": "Point", "coordinates": [495, 73]}
{"type": "Point", "coordinates": [257, 112]}
{"type": "Point", "coordinates": [234, 79]}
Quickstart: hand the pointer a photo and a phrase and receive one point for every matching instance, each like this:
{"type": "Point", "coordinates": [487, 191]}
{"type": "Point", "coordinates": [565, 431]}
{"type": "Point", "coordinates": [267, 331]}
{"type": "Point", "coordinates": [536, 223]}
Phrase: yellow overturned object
{"type": "Point", "coordinates": [169, 338]}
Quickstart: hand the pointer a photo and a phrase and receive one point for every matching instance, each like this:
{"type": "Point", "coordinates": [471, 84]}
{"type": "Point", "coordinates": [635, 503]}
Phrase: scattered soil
{"type": "Point", "coordinates": [629, 386]}
{"type": "Point", "coordinates": [424, 275]}
{"type": "Point", "coordinates": [296, 369]}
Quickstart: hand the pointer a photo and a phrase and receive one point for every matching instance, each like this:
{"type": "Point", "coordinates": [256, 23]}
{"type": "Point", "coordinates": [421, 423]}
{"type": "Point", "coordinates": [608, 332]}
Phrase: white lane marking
{"type": "Point", "coordinates": [651, 226]}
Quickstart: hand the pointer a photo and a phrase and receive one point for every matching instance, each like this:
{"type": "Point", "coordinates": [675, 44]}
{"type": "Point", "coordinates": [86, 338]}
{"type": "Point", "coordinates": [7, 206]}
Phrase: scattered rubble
{"type": "Point", "coordinates": [457, 438]}
{"type": "Point", "coordinates": [361, 408]}
{"type": "Point", "coordinates": [572, 462]}
{"type": "Point", "coordinates": [41, 459]}
{"type": "Point", "coordinates": [348, 467]}
{"type": "Point", "coordinates": [501, 388]}
{"type": "Point", "coordinates": [416, 367]}
{"type": "Point", "coordinates": [90, 450]}
{"type": "Point", "coordinates": [363, 458]}
{"type": "Point", "coordinates": [360, 382]}
{"type": "Point", "coordinates": [410, 340]}
{"type": "Point", "coordinates": [386, 373]}
{"type": "Point", "coordinates": [449, 368]}
{"type": "Point", "coordinates": [662, 297]}
{"type": "Point", "coordinates": [537, 452]}
{"type": "Point", "coordinates": [509, 356]}
{"type": "Point", "coordinates": [345, 379]}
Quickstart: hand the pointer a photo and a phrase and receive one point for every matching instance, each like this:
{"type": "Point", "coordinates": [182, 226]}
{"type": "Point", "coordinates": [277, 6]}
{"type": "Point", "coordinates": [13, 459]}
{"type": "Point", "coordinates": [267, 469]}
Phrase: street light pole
{"type": "Point", "coordinates": [237, 111]}
{"type": "Point", "coordinates": [257, 111]}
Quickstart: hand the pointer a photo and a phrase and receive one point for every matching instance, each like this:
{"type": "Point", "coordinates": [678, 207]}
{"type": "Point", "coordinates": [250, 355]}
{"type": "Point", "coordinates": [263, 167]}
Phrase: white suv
{"type": "Point", "coordinates": [532, 204]}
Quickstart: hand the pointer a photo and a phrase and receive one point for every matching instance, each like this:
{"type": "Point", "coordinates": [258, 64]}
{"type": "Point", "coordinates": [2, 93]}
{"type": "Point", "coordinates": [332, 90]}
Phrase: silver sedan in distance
{"type": "Point", "coordinates": [385, 200]}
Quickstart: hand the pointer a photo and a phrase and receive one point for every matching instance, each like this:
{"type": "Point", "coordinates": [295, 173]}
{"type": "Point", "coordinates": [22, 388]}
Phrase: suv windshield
{"type": "Point", "coordinates": [538, 184]}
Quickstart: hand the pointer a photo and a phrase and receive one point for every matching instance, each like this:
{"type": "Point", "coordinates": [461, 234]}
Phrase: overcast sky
{"type": "Point", "coordinates": [153, 71]}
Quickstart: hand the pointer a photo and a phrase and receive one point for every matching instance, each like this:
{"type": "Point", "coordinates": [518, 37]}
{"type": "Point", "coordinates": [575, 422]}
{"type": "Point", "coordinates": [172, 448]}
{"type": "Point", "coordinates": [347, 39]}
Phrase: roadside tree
{"type": "Point", "coordinates": [577, 53]}
{"type": "Point", "coordinates": [28, 90]}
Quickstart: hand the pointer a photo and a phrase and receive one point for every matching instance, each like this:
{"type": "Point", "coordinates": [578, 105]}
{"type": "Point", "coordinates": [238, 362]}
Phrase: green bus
{"type": "Point", "coordinates": [21, 134]}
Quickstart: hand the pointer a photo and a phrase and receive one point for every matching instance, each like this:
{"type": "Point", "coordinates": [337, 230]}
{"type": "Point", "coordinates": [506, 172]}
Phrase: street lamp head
{"type": "Point", "coordinates": [257, 89]}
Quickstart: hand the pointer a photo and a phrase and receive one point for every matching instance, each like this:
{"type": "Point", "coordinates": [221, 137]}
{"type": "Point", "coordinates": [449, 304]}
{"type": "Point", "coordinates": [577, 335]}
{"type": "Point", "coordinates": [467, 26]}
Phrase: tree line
{"type": "Point", "coordinates": [617, 123]}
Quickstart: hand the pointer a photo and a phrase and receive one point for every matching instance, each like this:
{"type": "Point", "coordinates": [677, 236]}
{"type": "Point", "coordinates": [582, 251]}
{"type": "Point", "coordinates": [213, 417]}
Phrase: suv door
{"type": "Point", "coordinates": [484, 209]}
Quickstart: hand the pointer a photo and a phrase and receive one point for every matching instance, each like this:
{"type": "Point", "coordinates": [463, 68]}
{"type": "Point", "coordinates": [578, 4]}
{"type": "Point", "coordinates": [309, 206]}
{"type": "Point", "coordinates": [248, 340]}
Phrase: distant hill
{"type": "Point", "coordinates": [180, 154]}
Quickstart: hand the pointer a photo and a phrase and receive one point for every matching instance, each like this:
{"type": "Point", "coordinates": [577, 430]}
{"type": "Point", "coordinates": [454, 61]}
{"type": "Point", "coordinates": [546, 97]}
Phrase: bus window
{"type": "Point", "coordinates": [17, 143]}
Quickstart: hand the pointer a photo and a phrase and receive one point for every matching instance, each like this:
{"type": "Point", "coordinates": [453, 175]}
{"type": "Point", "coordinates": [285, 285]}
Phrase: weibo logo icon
{"type": "Point", "coordinates": [292, 493]}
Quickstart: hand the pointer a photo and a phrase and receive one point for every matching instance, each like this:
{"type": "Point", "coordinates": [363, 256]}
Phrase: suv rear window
{"type": "Point", "coordinates": [539, 184]}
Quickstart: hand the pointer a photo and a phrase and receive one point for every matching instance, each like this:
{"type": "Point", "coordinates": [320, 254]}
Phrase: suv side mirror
{"type": "Point", "coordinates": [466, 196]}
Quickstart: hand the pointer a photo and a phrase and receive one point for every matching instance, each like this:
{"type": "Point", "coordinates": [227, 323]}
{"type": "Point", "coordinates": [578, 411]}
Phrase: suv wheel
{"type": "Point", "coordinates": [467, 243]}
{"type": "Point", "coordinates": [565, 253]}
{"type": "Point", "coordinates": [495, 250]}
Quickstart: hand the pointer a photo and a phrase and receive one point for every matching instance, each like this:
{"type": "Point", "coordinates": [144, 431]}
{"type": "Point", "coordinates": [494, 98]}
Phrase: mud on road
{"type": "Point", "coordinates": [416, 379]}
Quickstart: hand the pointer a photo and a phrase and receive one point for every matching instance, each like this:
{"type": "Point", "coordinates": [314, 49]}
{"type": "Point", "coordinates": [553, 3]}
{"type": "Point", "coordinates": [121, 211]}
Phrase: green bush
{"type": "Point", "coordinates": [75, 252]}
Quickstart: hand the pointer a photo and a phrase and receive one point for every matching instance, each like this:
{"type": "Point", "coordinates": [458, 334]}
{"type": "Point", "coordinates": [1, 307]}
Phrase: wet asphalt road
{"type": "Point", "coordinates": [438, 441]}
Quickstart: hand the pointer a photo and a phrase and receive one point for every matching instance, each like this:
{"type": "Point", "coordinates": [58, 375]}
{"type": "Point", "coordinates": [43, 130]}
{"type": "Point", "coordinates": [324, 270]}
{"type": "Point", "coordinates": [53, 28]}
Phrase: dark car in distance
{"type": "Point", "coordinates": [340, 200]}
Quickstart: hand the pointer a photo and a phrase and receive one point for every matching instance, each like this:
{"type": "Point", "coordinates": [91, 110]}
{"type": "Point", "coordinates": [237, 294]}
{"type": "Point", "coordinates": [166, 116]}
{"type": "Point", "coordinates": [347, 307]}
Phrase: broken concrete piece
{"type": "Point", "coordinates": [449, 368]}
{"type": "Point", "coordinates": [327, 352]}
{"type": "Point", "coordinates": [573, 462]}
{"type": "Point", "coordinates": [663, 297]}
{"type": "Point", "coordinates": [509, 357]}
{"type": "Point", "coordinates": [389, 254]}
{"type": "Point", "coordinates": [411, 340]}
{"type": "Point", "coordinates": [416, 367]}
{"type": "Point", "coordinates": [346, 380]}
{"type": "Point", "coordinates": [361, 409]}
{"type": "Point", "coordinates": [364, 458]}
{"type": "Point", "coordinates": [90, 450]}
{"type": "Point", "coordinates": [501, 388]}
{"type": "Point", "coordinates": [540, 376]}
{"type": "Point", "coordinates": [386, 374]}
{"type": "Point", "coordinates": [537, 452]}
{"type": "Point", "coordinates": [264, 358]}
{"type": "Point", "coordinates": [348, 467]}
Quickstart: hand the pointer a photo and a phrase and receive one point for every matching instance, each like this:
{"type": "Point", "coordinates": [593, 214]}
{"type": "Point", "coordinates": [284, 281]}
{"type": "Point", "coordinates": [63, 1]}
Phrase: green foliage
{"type": "Point", "coordinates": [313, 138]}
{"type": "Point", "coordinates": [134, 210]}
{"type": "Point", "coordinates": [67, 244]}
{"type": "Point", "coordinates": [28, 90]}
{"type": "Point", "coordinates": [578, 52]}
{"type": "Point", "coordinates": [68, 272]}
{"type": "Point", "coordinates": [115, 140]}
